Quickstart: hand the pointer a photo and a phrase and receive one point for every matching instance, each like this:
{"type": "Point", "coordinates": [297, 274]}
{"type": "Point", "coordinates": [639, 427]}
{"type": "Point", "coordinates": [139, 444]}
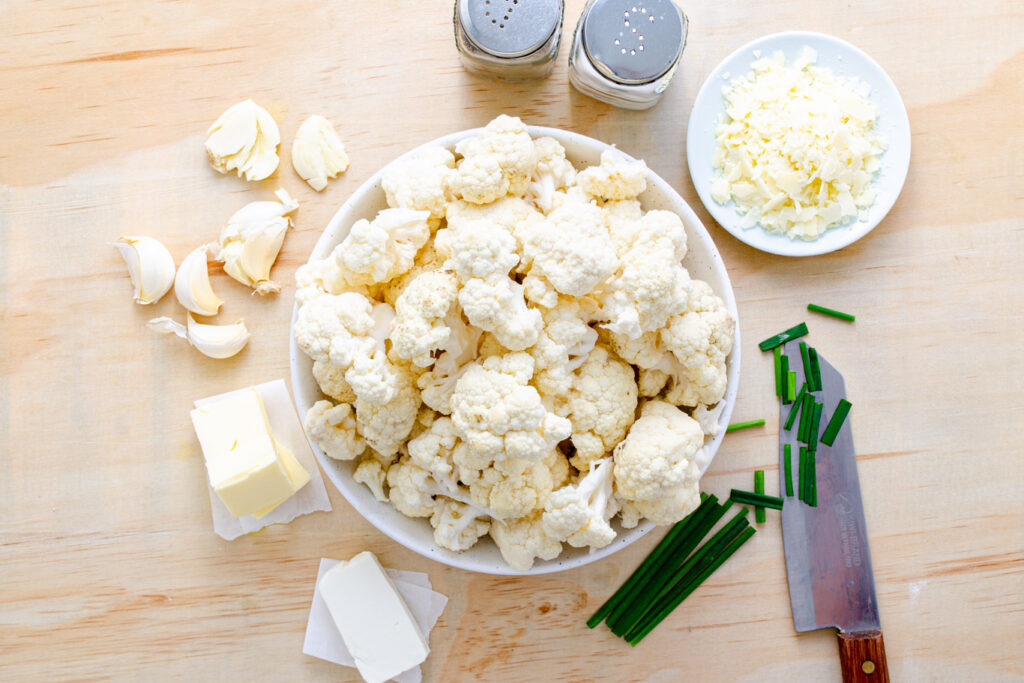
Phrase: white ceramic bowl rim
{"type": "Point", "coordinates": [306, 392]}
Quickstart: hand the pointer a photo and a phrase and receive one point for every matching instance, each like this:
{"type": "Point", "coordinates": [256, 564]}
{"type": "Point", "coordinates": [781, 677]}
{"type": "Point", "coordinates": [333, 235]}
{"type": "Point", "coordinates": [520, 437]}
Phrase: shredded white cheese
{"type": "Point", "coordinates": [797, 148]}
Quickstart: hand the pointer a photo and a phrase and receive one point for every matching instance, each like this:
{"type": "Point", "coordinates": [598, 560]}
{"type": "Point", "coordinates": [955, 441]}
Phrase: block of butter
{"type": "Point", "coordinates": [251, 472]}
{"type": "Point", "coordinates": [378, 629]}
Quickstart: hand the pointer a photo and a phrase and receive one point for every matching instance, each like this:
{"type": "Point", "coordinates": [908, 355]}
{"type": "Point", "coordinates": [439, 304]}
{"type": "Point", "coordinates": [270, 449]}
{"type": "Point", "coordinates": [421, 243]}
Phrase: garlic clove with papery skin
{"type": "Point", "coordinates": [192, 284]}
{"type": "Point", "coordinates": [215, 341]}
{"type": "Point", "coordinates": [150, 267]}
{"type": "Point", "coordinates": [317, 152]}
{"type": "Point", "coordinates": [251, 240]}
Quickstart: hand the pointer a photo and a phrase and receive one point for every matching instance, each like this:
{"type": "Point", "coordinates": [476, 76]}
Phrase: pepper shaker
{"type": "Point", "coordinates": [625, 52]}
{"type": "Point", "coordinates": [508, 39]}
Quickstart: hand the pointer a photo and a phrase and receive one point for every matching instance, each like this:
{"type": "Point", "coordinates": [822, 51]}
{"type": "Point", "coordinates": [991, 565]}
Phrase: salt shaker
{"type": "Point", "coordinates": [508, 39]}
{"type": "Point", "coordinates": [625, 52]}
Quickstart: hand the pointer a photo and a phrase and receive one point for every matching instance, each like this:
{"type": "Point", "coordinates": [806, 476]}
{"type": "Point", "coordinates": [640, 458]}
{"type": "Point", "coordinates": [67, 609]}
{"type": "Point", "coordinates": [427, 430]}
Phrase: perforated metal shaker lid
{"type": "Point", "coordinates": [510, 28]}
{"type": "Point", "coordinates": [634, 41]}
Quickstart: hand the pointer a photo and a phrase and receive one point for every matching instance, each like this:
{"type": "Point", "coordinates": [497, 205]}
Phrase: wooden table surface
{"type": "Point", "coordinates": [108, 565]}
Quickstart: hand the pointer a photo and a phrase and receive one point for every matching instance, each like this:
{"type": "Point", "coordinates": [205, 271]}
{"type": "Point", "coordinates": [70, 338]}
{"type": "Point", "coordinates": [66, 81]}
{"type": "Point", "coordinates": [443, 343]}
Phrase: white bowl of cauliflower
{"type": "Point", "coordinates": [515, 349]}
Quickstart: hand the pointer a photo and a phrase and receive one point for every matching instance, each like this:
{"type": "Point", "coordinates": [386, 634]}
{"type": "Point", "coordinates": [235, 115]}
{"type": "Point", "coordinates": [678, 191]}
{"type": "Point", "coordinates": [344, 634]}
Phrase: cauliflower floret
{"type": "Point", "coordinates": [504, 143]}
{"type": "Point", "coordinates": [580, 514]}
{"type": "Point", "coordinates": [700, 339]}
{"type": "Point", "coordinates": [477, 248]}
{"type": "Point", "coordinates": [500, 415]}
{"type": "Point", "coordinates": [386, 426]}
{"type": "Point", "coordinates": [497, 305]}
{"type": "Point", "coordinates": [420, 328]}
{"type": "Point", "coordinates": [333, 429]}
{"type": "Point", "coordinates": [508, 213]}
{"type": "Point", "coordinates": [601, 406]}
{"type": "Point", "coordinates": [315, 278]}
{"type": "Point", "coordinates": [439, 382]}
{"type": "Point", "coordinates": [508, 488]}
{"type": "Point", "coordinates": [348, 331]}
{"type": "Point", "coordinates": [331, 380]}
{"type": "Point", "coordinates": [374, 475]}
{"type": "Point", "coordinates": [615, 178]}
{"type": "Point", "coordinates": [553, 173]}
{"type": "Point", "coordinates": [457, 526]}
{"type": "Point", "coordinates": [570, 249]}
{"type": "Point", "coordinates": [522, 540]}
{"type": "Point", "coordinates": [378, 251]}
{"type": "Point", "coordinates": [620, 216]}
{"type": "Point", "coordinates": [411, 489]}
{"type": "Point", "coordinates": [432, 450]}
{"type": "Point", "coordinates": [654, 465]}
{"type": "Point", "coordinates": [644, 352]}
{"type": "Point", "coordinates": [420, 181]}
{"type": "Point", "coordinates": [708, 418]}
{"type": "Point", "coordinates": [562, 347]}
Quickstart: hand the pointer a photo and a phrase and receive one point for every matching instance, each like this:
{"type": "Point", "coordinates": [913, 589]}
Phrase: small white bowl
{"type": "Point", "coordinates": [844, 60]}
{"type": "Point", "coordinates": [703, 262]}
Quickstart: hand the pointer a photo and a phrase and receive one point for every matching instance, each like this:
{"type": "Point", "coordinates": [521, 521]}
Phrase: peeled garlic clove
{"type": "Point", "coordinates": [244, 139]}
{"type": "Point", "coordinates": [215, 341]}
{"type": "Point", "coordinates": [317, 152]}
{"type": "Point", "coordinates": [150, 267]}
{"type": "Point", "coordinates": [251, 240]}
{"type": "Point", "coordinates": [192, 284]}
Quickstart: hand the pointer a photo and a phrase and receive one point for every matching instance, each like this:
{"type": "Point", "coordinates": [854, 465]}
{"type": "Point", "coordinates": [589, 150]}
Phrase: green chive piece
{"type": "Point", "coordinates": [796, 407]}
{"type": "Point", "coordinates": [781, 338]}
{"type": "Point", "coordinates": [832, 312]}
{"type": "Point", "coordinates": [759, 514]}
{"type": "Point", "coordinates": [628, 612]}
{"type": "Point", "coordinates": [744, 425]}
{"type": "Point", "coordinates": [791, 386]}
{"type": "Point", "coordinates": [685, 575]}
{"type": "Point", "coordinates": [805, 417]}
{"type": "Point", "coordinates": [778, 371]}
{"type": "Point", "coordinates": [806, 359]}
{"type": "Point", "coordinates": [836, 423]}
{"type": "Point", "coordinates": [677, 599]}
{"type": "Point", "coordinates": [755, 499]}
{"type": "Point", "coordinates": [654, 562]}
{"type": "Point", "coordinates": [804, 474]}
{"type": "Point", "coordinates": [787, 460]}
{"type": "Point", "coordinates": [785, 379]}
{"type": "Point", "coordinates": [813, 502]}
{"type": "Point", "coordinates": [812, 428]}
{"type": "Point", "coordinates": [812, 353]}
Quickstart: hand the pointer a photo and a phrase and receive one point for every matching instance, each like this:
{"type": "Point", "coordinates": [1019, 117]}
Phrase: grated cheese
{"type": "Point", "coordinates": [797, 149]}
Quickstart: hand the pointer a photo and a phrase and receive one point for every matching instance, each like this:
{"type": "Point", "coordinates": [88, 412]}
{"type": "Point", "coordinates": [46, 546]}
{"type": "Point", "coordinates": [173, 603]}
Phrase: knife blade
{"type": "Point", "coordinates": [828, 563]}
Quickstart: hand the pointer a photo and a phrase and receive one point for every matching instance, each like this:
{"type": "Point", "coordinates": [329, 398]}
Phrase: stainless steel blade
{"type": "Point", "coordinates": [827, 559]}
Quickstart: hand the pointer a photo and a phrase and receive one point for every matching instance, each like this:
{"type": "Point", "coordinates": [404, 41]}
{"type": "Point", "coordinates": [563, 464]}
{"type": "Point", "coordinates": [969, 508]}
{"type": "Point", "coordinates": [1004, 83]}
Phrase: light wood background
{"type": "Point", "coordinates": [108, 565]}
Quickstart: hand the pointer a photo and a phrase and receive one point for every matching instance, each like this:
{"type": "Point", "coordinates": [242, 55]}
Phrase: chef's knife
{"type": "Point", "coordinates": [827, 560]}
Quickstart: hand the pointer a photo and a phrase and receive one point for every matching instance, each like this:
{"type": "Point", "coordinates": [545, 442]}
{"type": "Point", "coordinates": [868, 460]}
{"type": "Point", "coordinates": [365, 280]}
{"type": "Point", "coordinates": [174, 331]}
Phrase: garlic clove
{"type": "Point", "coordinates": [317, 152]}
{"type": "Point", "coordinates": [244, 139]}
{"type": "Point", "coordinates": [192, 284]}
{"type": "Point", "coordinates": [251, 240]}
{"type": "Point", "coordinates": [150, 267]}
{"type": "Point", "coordinates": [215, 341]}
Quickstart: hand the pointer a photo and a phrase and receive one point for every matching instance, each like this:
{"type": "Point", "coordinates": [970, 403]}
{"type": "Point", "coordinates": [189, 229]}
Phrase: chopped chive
{"type": "Point", "coordinates": [806, 359]}
{"type": "Point", "coordinates": [755, 499]}
{"type": "Point", "coordinates": [654, 562]}
{"type": "Point", "coordinates": [744, 425]}
{"type": "Point", "coordinates": [759, 514]}
{"type": "Point", "coordinates": [791, 386]}
{"type": "Point", "coordinates": [812, 353]}
{"type": "Point", "coordinates": [836, 423]}
{"type": "Point", "coordinates": [787, 461]}
{"type": "Point", "coordinates": [678, 598]}
{"type": "Point", "coordinates": [685, 574]}
{"type": "Point", "coordinates": [778, 371]}
{"type": "Point", "coordinates": [813, 497]}
{"type": "Point", "coordinates": [805, 417]}
{"type": "Point", "coordinates": [628, 612]}
{"type": "Point", "coordinates": [796, 407]}
{"type": "Point", "coordinates": [832, 312]}
{"type": "Point", "coordinates": [784, 372]}
{"type": "Point", "coordinates": [813, 426]}
{"type": "Point", "coordinates": [782, 337]}
{"type": "Point", "coordinates": [804, 474]}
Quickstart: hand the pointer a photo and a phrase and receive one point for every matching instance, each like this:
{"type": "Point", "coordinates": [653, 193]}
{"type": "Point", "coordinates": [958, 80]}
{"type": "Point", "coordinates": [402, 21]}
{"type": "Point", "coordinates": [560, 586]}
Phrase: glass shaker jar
{"type": "Point", "coordinates": [625, 52]}
{"type": "Point", "coordinates": [508, 39]}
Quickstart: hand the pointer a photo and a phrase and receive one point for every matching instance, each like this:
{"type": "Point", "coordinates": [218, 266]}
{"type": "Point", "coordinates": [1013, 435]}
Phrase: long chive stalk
{"type": "Point", "coordinates": [796, 407]}
{"type": "Point", "coordinates": [677, 598]}
{"type": "Point", "coordinates": [744, 425]}
{"type": "Point", "coordinates": [756, 499]}
{"type": "Point", "coordinates": [684, 545]}
{"type": "Point", "coordinates": [781, 338]}
{"type": "Point", "coordinates": [836, 423]}
{"type": "Point", "coordinates": [759, 513]}
{"type": "Point", "coordinates": [787, 460]}
{"type": "Point", "coordinates": [832, 312]}
{"type": "Point", "coordinates": [654, 560]}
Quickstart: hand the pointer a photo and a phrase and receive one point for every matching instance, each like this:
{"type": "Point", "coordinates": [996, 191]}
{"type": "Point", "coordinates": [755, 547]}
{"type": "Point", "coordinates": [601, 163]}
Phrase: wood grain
{"type": "Point", "coordinates": [110, 569]}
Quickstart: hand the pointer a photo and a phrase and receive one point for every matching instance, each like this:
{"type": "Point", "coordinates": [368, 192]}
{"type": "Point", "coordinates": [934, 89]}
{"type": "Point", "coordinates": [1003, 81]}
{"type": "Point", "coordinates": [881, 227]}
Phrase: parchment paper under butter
{"type": "Point", "coordinates": [324, 642]}
{"type": "Point", "coordinates": [287, 428]}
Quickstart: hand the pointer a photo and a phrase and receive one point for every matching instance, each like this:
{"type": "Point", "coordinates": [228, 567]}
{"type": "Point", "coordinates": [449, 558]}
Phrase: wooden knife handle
{"type": "Point", "coordinates": [862, 657]}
